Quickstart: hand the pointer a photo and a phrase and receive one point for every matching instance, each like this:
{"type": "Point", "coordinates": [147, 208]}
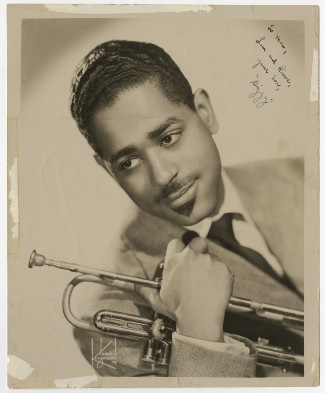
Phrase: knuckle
{"type": "Point", "coordinates": [228, 270]}
{"type": "Point", "coordinates": [225, 272]}
{"type": "Point", "coordinates": [188, 256]}
{"type": "Point", "coordinates": [223, 269]}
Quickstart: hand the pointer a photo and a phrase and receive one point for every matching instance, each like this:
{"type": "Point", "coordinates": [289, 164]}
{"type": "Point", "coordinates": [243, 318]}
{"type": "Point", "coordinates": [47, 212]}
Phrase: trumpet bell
{"type": "Point", "coordinates": [36, 260]}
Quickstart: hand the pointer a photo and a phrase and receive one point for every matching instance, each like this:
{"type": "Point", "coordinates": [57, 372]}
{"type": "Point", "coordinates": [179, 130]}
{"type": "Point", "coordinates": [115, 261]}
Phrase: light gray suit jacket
{"type": "Point", "coordinates": [272, 192]}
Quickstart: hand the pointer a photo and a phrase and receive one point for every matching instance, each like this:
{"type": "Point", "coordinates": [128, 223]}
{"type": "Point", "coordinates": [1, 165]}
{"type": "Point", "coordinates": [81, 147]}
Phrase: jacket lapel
{"type": "Point", "coordinates": [272, 193]}
{"type": "Point", "coordinates": [254, 284]}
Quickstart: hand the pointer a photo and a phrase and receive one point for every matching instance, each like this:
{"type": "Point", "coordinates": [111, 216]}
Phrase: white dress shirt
{"type": "Point", "coordinates": [245, 231]}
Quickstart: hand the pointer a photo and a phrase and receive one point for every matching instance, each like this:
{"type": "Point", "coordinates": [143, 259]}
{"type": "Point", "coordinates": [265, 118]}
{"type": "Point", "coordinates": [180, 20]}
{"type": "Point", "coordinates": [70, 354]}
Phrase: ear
{"type": "Point", "coordinates": [104, 164]}
{"type": "Point", "coordinates": [205, 111]}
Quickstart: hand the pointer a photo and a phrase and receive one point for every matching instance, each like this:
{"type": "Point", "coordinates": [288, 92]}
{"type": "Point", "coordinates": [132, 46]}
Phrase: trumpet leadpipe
{"type": "Point", "coordinates": [40, 260]}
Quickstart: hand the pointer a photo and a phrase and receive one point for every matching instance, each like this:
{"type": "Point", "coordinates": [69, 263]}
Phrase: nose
{"type": "Point", "coordinates": [162, 169]}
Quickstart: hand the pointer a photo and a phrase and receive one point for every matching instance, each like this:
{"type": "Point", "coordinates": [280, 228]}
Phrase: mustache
{"type": "Point", "coordinates": [173, 188]}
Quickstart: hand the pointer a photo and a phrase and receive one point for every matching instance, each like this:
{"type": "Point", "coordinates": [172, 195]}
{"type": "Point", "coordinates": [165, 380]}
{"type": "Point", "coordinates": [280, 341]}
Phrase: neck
{"type": "Point", "coordinates": [220, 199]}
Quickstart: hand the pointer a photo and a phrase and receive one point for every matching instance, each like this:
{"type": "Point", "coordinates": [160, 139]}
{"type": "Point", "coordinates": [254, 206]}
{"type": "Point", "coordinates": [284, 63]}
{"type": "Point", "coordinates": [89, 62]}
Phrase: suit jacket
{"type": "Point", "coordinates": [272, 192]}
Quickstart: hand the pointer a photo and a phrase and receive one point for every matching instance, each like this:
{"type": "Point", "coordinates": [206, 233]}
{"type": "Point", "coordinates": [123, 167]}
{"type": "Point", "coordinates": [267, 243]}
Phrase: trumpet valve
{"type": "Point", "coordinates": [36, 260]}
{"type": "Point", "coordinates": [149, 352]}
{"type": "Point", "coordinates": [163, 353]}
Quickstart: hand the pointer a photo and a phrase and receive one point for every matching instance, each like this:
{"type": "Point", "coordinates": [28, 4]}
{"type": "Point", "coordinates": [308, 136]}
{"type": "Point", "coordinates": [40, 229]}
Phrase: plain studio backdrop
{"type": "Point", "coordinates": [70, 209]}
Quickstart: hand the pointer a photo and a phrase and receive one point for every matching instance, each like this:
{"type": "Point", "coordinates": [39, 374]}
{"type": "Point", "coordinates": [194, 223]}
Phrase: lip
{"type": "Point", "coordinates": [182, 196]}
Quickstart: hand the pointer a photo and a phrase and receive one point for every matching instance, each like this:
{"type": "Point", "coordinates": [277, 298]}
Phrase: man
{"type": "Point", "coordinates": [153, 135]}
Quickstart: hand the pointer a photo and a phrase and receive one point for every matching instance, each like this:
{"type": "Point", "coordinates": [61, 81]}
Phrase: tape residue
{"type": "Point", "coordinates": [313, 366]}
{"type": "Point", "coordinates": [13, 197]}
{"type": "Point", "coordinates": [19, 368]}
{"type": "Point", "coordinates": [125, 9]}
{"type": "Point", "coordinates": [75, 382]}
{"type": "Point", "coordinates": [314, 78]}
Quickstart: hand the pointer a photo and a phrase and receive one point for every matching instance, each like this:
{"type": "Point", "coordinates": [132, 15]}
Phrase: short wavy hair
{"type": "Point", "coordinates": [118, 65]}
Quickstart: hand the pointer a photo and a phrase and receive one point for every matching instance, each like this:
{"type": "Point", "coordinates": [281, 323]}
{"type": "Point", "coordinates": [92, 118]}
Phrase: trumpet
{"type": "Point", "coordinates": [157, 331]}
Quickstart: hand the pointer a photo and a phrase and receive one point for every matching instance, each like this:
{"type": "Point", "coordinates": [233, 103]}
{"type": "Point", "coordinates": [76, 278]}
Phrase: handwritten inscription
{"type": "Point", "coordinates": [257, 95]}
{"type": "Point", "coordinates": [272, 71]}
{"type": "Point", "coordinates": [260, 63]}
{"type": "Point", "coordinates": [259, 42]}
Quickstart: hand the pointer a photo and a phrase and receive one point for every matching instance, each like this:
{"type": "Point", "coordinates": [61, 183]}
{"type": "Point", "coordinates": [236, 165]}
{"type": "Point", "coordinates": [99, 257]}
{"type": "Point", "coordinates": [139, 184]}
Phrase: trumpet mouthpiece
{"type": "Point", "coordinates": [36, 260]}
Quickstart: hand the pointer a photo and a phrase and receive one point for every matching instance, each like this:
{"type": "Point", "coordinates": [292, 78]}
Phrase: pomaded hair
{"type": "Point", "coordinates": [117, 65]}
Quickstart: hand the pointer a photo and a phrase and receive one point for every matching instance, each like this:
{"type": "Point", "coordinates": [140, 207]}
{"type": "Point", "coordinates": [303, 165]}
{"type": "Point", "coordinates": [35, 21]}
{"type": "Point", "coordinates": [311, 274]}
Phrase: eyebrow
{"type": "Point", "coordinates": [131, 149]}
{"type": "Point", "coordinates": [154, 134]}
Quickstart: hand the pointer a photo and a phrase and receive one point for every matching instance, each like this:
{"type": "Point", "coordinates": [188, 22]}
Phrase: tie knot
{"type": "Point", "coordinates": [188, 236]}
{"type": "Point", "coordinates": [222, 230]}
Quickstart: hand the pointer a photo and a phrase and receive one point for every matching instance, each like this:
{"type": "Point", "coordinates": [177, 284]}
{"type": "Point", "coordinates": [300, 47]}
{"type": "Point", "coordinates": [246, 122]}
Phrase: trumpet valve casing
{"type": "Point", "coordinates": [149, 350]}
{"type": "Point", "coordinates": [163, 353]}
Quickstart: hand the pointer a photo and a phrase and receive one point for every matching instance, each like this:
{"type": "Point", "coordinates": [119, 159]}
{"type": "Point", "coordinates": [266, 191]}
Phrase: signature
{"type": "Point", "coordinates": [257, 96]}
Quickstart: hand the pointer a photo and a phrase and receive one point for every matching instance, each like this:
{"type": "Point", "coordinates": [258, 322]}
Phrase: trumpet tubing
{"type": "Point", "coordinates": [157, 332]}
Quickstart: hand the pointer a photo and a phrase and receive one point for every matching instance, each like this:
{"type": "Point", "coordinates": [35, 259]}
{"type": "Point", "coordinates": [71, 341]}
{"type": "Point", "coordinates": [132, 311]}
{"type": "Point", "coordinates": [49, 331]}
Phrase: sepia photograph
{"type": "Point", "coordinates": [163, 196]}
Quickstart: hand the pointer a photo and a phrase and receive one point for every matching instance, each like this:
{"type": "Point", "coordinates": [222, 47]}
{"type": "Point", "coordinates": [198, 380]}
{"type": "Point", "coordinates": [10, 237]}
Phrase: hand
{"type": "Point", "coordinates": [195, 291]}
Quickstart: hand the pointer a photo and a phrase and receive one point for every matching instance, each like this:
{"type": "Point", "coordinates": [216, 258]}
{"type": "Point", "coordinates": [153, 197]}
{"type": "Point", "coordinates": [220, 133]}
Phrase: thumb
{"type": "Point", "coordinates": [200, 245]}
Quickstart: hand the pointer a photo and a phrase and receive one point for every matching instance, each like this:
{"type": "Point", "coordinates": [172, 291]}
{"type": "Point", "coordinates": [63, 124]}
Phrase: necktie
{"type": "Point", "coordinates": [222, 232]}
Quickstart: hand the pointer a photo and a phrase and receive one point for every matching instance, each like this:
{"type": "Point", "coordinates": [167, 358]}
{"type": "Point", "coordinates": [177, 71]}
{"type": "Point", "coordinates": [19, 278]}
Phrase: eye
{"type": "Point", "coordinates": [170, 139]}
{"type": "Point", "coordinates": [130, 163]}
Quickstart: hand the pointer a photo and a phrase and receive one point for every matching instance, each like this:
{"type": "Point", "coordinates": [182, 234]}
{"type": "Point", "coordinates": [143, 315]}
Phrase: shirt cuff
{"type": "Point", "coordinates": [230, 345]}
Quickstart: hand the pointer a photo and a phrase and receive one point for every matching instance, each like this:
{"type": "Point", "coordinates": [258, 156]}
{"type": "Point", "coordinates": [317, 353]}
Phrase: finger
{"type": "Point", "coordinates": [174, 247]}
{"type": "Point", "coordinates": [153, 299]}
{"type": "Point", "coordinates": [200, 245]}
{"type": "Point", "coordinates": [145, 292]}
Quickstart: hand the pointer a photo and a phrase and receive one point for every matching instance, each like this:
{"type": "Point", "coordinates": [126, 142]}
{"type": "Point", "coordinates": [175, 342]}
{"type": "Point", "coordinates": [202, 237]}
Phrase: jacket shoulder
{"type": "Point", "coordinates": [291, 168]}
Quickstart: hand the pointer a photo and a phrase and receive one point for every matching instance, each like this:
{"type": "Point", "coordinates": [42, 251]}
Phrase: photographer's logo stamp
{"type": "Point", "coordinates": [103, 352]}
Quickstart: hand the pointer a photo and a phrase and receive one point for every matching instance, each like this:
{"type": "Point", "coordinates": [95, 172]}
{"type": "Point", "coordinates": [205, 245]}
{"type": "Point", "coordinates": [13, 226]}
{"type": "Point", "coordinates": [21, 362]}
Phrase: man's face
{"type": "Point", "coordinates": [162, 154]}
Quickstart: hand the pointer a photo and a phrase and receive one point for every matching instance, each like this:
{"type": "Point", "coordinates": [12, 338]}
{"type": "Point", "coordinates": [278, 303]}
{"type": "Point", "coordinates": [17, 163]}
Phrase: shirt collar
{"type": "Point", "coordinates": [231, 204]}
